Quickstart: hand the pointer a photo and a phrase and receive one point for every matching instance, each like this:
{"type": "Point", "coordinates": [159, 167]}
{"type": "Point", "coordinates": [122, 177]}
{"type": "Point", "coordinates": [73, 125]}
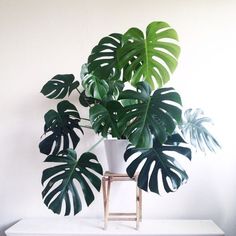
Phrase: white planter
{"type": "Point", "coordinates": [115, 150]}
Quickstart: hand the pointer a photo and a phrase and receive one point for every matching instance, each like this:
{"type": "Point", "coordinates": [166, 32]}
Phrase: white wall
{"type": "Point", "coordinates": [39, 39]}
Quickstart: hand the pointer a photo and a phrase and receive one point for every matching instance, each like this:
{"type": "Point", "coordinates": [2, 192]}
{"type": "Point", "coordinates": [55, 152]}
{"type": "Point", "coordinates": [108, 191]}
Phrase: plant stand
{"type": "Point", "coordinates": [107, 179]}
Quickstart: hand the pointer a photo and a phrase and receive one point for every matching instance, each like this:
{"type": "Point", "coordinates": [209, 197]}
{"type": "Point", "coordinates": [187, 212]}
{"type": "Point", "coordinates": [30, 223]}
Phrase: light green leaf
{"type": "Point", "coordinates": [152, 57]}
{"type": "Point", "coordinates": [195, 132]}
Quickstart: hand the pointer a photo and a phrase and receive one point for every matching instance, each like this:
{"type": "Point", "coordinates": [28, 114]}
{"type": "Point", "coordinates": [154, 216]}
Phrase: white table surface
{"type": "Point", "coordinates": [69, 226]}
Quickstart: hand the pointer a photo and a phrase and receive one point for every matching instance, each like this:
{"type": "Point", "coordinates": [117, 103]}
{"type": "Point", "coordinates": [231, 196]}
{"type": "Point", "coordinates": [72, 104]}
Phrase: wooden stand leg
{"type": "Point", "coordinates": [106, 194]}
{"type": "Point", "coordinates": [108, 198]}
{"type": "Point", "coordinates": [137, 207]}
{"type": "Point", "coordinates": [104, 200]}
{"type": "Point", "coordinates": [140, 205]}
{"type": "Point", "coordinates": [107, 179]}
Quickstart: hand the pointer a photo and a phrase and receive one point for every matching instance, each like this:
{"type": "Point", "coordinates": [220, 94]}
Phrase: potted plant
{"type": "Point", "coordinates": [122, 85]}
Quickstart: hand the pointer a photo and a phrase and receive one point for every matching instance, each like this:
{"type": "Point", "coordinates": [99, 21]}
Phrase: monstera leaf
{"type": "Point", "coordinates": [100, 89]}
{"type": "Point", "coordinates": [60, 125]}
{"type": "Point", "coordinates": [115, 88]}
{"type": "Point", "coordinates": [60, 86]}
{"type": "Point", "coordinates": [61, 179]}
{"type": "Point", "coordinates": [151, 115]}
{"type": "Point", "coordinates": [103, 60]}
{"type": "Point", "coordinates": [196, 133]}
{"type": "Point", "coordinates": [160, 157]}
{"type": "Point", "coordinates": [104, 119]}
{"type": "Point", "coordinates": [94, 87]}
{"type": "Point", "coordinates": [151, 57]}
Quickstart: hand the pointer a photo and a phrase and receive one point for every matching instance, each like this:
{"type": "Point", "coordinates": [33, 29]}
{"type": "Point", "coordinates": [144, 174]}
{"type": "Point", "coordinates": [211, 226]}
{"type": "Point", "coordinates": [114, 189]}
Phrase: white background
{"type": "Point", "coordinates": [39, 39]}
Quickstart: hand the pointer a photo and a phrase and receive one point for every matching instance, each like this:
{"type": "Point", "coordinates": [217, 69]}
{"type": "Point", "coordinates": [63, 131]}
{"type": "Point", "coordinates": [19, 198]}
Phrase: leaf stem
{"type": "Point", "coordinates": [78, 91]}
{"type": "Point", "coordinates": [99, 141]}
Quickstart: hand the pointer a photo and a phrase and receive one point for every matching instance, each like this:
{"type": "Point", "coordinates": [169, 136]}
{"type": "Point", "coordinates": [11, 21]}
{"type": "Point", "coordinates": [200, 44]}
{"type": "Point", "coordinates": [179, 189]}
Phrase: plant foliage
{"type": "Point", "coordinates": [162, 157]}
{"type": "Point", "coordinates": [60, 126]}
{"type": "Point", "coordinates": [155, 114]}
{"type": "Point", "coordinates": [122, 86]}
{"type": "Point", "coordinates": [103, 61]}
{"type": "Point", "coordinates": [151, 57]}
{"type": "Point", "coordinates": [95, 87]}
{"type": "Point", "coordinates": [105, 119]}
{"type": "Point", "coordinates": [194, 130]}
{"type": "Point", "coordinates": [61, 180]}
{"type": "Point", "coordinates": [60, 86]}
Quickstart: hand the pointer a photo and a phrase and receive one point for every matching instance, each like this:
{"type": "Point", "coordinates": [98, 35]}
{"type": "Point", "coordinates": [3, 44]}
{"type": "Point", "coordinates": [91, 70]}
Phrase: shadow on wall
{"type": "Point", "coordinates": [5, 227]}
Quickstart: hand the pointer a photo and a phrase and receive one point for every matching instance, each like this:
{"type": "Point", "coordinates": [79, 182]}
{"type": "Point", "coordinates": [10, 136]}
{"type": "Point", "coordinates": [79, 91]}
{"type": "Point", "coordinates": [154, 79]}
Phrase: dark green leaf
{"type": "Point", "coordinates": [100, 89]}
{"type": "Point", "coordinates": [103, 60]}
{"type": "Point", "coordinates": [87, 101]}
{"type": "Point", "coordinates": [115, 88]}
{"type": "Point", "coordinates": [60, 86]}
{"type": "Point", "coordinates": [62, 177]}
{"type": "Point", "coordinates": [60, 128]}
{"type": "Point", "coordinates": [104, 119]}
{"type": "Point", "coordinates": [158, 159]}
{"type": "Point", "coordinates": [93, 85]}
{"type": "Point", "coordinates": [151, 115]}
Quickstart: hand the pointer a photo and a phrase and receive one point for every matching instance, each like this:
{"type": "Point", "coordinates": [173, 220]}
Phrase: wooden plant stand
{"type": "Point", "coordinates": [107, 179]}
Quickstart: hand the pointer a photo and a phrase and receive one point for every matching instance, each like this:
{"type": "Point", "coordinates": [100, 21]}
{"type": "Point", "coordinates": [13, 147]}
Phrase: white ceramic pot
{"type": "Point", "coordinates": [115, 149]}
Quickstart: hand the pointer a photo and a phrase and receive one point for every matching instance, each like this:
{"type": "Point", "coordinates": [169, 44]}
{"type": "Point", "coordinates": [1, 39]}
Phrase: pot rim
{"type": "Point", "coordinates": [114, 139]}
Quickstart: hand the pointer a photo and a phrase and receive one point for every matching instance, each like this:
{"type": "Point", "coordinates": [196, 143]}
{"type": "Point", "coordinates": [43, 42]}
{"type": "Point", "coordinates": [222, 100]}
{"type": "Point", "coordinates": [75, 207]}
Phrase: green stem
{"type": "Point", "coordinates": [78, 91]}
{"type": "Point", "coordinates": [99, 141]}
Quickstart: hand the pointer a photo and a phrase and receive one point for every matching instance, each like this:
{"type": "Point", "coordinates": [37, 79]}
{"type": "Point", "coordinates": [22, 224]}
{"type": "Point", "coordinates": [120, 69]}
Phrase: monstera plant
{"type": "Point", "coordinates": [122, 85]}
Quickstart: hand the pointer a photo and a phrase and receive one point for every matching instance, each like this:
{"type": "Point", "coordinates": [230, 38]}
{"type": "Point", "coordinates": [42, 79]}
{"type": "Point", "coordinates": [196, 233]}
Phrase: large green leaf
{"type": "Point", "coordinates": [104, 118]}
{"type": "Point", "coordinates": [194, 130]}
{"type": "Point", "coordinates": [60, 86]}
{"type": "Point", "coordinates": [151, 115]}
{"type": "Point", "coordinates": [159, 160]}
{"type": "Point", "coordinates": [61, 180]}
{"type": "Point", "coordinates": [60, 126]}
{"type": "Point", "coordinates": [152, 57]}
{"type": "Point", "coordinates": [103, 60]}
